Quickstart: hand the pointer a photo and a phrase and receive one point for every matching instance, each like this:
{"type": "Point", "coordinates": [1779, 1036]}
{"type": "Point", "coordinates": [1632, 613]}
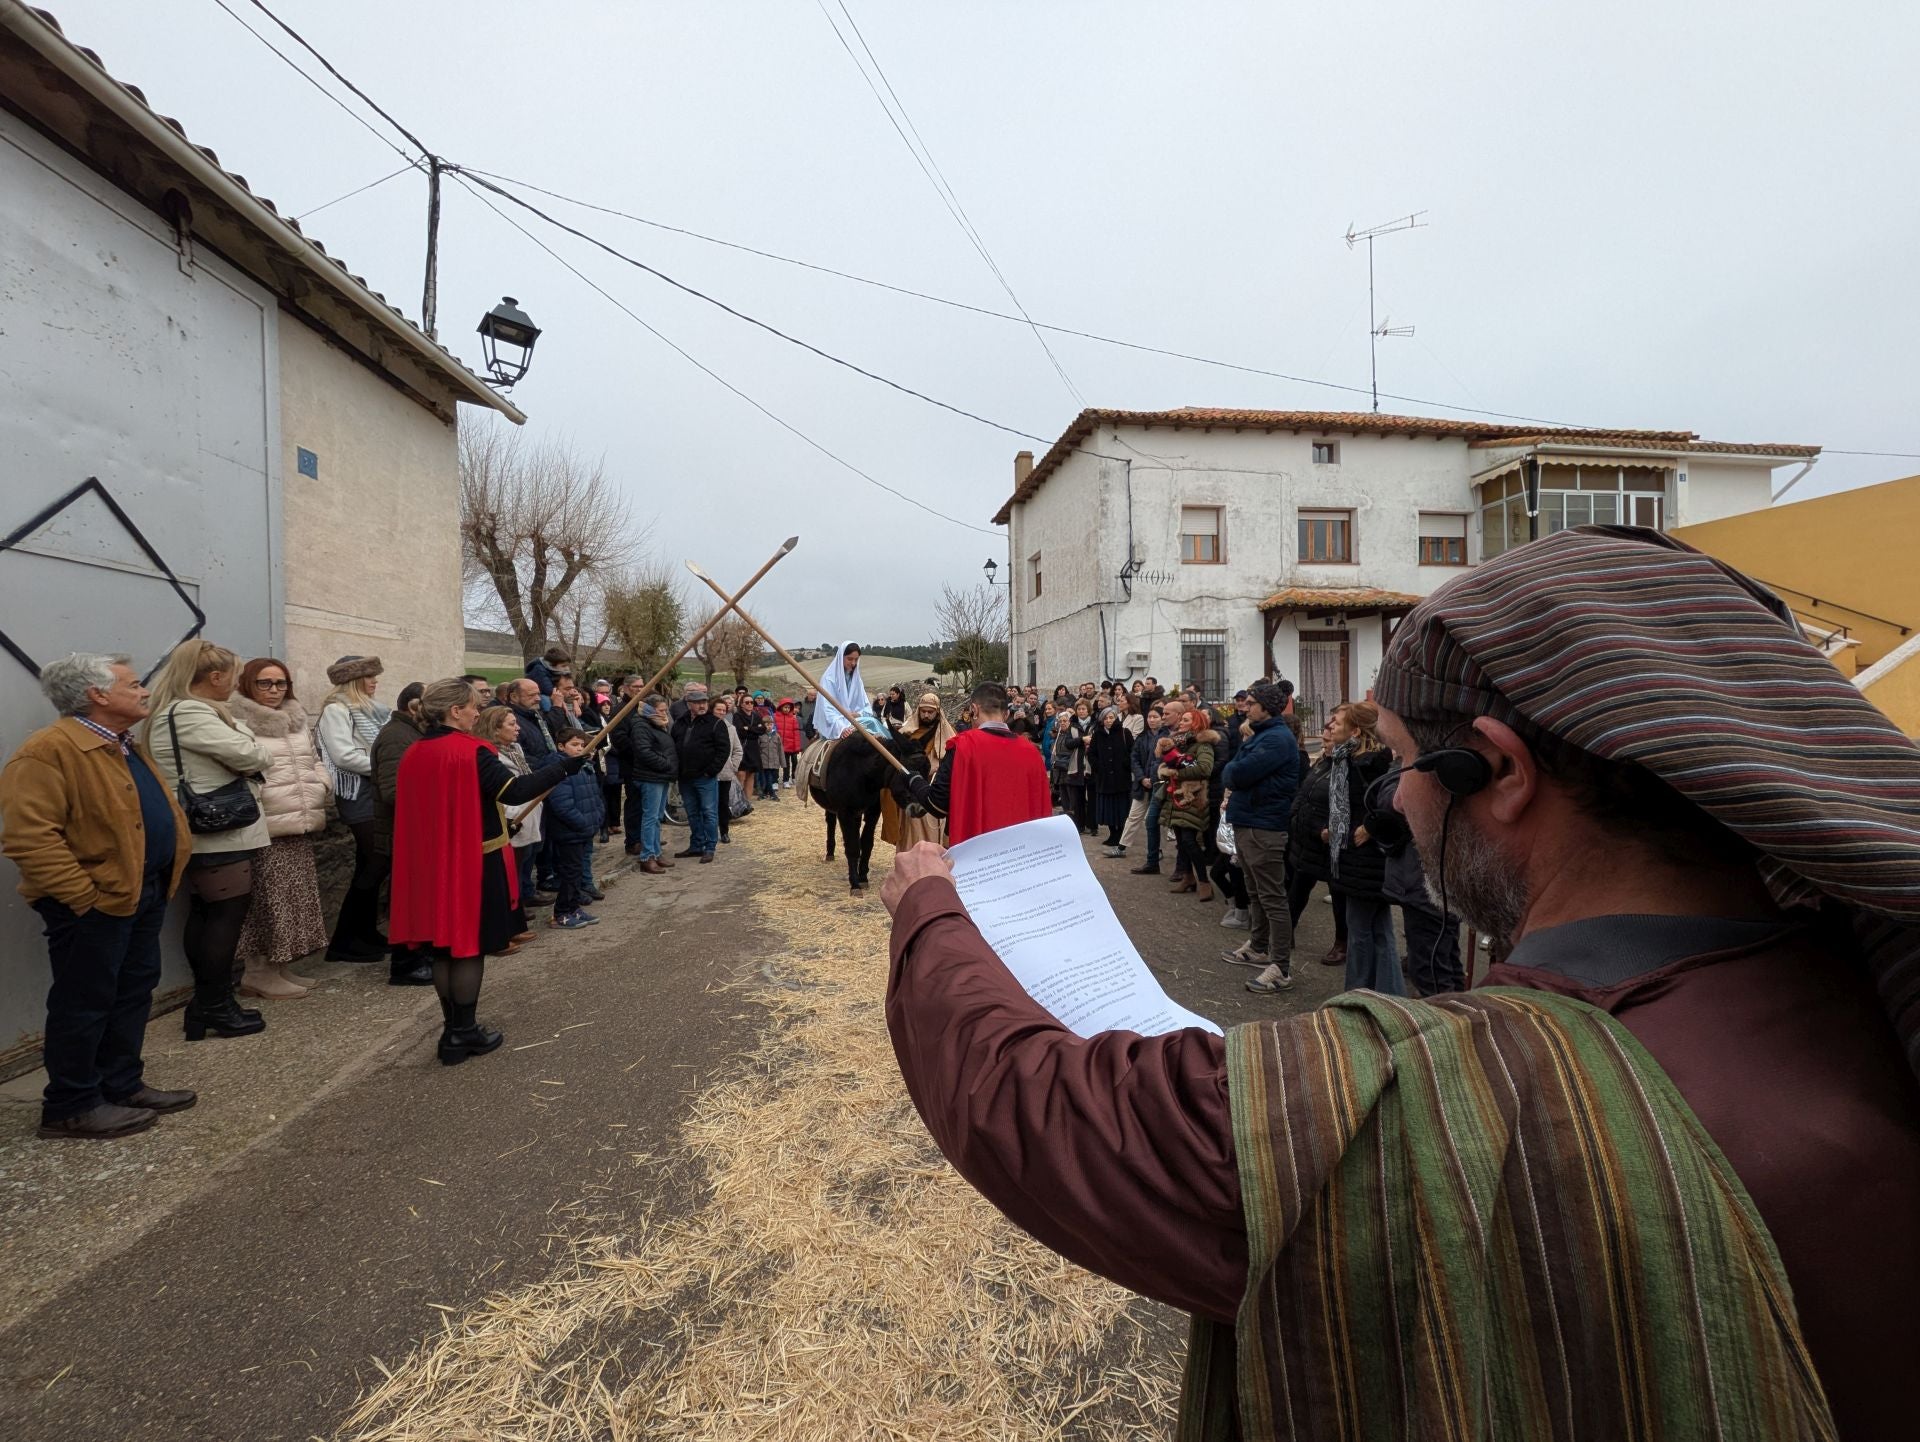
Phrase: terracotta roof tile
{"type": "Point", "coordinates": [93, 56]}
{"type": "Point", "coordinates": [1476, 433]}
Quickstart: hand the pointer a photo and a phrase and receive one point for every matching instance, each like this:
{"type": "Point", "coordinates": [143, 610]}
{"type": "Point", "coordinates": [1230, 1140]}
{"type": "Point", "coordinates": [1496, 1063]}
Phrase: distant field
{"type": "Point", "coordinates": [877, 672]}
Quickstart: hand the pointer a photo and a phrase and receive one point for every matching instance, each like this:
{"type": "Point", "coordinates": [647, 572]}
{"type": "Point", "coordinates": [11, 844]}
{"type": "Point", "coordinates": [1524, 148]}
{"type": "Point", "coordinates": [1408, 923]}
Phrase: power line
{"type": "Point", "coordinates": [992, 314]}
{"type": "Point", "coordinates": [771, 329]}
{"type": "Point", "coordinates": [942, 187]}
{"type": "Point", "coordinates": [701, 366]}
{"type": "Point", "coordinates": [357, 191]}
{"type": "Point", "coordinates": [358, 119]}
{"type": "Point", "coordinates": [306, 45]}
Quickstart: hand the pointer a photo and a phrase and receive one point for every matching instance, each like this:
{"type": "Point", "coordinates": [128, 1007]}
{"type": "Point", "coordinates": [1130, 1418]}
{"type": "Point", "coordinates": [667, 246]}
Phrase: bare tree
{"type": "Point", "coordinates": [538, 522]}
{"type": "Point", "coordinates": [647, 615]}
{"type": "Point", "coordinates": [974, 623]}
{"type": "Point", "coordinates": [732, 646]}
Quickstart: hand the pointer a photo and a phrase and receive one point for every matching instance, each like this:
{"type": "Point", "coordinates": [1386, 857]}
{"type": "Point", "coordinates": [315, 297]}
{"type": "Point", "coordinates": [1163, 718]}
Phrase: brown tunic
{"type": "Point", "coordinates": [1117, 1151]}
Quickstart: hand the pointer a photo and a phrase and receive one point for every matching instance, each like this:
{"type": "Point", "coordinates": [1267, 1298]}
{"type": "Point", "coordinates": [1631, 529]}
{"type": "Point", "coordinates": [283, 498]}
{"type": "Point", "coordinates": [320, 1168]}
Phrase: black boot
{"type": "Point", "coordinates": [464, 1037]}
{"type": "Point", "coordinates": [220, 1018]}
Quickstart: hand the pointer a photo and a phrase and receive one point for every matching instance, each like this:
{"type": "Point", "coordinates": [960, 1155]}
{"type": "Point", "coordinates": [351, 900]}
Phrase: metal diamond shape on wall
{"type": "Point", "coordinates": [92, 486]}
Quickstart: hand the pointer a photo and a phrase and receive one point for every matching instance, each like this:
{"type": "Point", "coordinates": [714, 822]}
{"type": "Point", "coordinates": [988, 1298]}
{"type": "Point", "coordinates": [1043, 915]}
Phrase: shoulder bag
{"type": "Point", "coordinates": [225, 808]}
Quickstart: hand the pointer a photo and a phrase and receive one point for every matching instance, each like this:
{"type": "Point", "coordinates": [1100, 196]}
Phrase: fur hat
{"type": "Point", "coordinates": [353, 668]}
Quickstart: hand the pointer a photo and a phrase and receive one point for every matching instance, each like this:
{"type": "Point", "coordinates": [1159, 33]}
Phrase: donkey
{"type": "Point", "coordinates": [848, 786]}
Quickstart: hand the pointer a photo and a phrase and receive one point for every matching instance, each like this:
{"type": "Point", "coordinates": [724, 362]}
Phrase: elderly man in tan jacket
{"type": "Point", "coordinates": [100, 844]}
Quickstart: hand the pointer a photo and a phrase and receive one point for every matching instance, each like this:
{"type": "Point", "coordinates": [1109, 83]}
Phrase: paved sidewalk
{"type": "Point", "coordinates": [232, 1273]}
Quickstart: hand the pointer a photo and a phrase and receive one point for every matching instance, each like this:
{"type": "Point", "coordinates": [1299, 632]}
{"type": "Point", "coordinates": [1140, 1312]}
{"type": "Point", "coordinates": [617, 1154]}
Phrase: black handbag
{"type": "Point", "coordinates": [225, 808]}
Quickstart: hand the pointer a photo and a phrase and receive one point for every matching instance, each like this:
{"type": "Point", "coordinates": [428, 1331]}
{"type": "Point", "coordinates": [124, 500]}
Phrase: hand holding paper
{"type": "Point", "coordinates": [1030, 891]}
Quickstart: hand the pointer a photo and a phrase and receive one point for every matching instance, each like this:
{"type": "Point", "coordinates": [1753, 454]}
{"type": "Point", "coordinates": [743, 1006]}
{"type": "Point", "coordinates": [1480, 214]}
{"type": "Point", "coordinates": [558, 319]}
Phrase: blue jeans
{"type": "Point", "coordinates": [645, 833]}
{"type": "Point", "coordinates": [104, 971]}
{"type": "Point", "coordinates": [702, 801]}
{"type": "Point", "coordinates": [1373, 961]}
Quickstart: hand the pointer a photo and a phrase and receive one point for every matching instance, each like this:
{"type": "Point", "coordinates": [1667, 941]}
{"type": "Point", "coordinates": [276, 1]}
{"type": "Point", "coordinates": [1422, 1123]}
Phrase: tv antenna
{"type": "Point", "coordinates": [1377, 327]}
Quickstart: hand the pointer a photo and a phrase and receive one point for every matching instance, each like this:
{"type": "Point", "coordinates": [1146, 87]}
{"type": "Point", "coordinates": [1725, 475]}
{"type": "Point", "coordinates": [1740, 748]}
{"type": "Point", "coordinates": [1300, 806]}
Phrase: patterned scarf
{"type": "Point", "coordinates": [1489, 1216]}
{"type": "Point", "coordinates": [1339, 805]}
{"type": "Point", "coordinates": [366, 722]}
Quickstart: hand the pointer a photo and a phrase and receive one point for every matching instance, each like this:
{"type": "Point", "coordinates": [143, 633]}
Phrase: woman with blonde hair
{"type": "Point", "coordinates": [285, 921]}
{"type": "Point", "coordinates": [454, 895]}
{"type": "Point", "coordinates": [350, 722]}
{"type": "Point", "coordinates": [214, 764]}
{"type": "Point", "coordinates": [500, 729]}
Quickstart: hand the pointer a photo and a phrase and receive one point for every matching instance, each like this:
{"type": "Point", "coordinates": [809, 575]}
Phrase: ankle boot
{"type": "Point", "coordinates": [221, 1018]}
{"type": "Point", "coordinates": [271, 983]}
{"type": "Point", "coordinates": [1203, 892]}
{"type": "Point", "coordinates": [465, 1037]}
{"type": "Point", "coordinates": [1182, 883]}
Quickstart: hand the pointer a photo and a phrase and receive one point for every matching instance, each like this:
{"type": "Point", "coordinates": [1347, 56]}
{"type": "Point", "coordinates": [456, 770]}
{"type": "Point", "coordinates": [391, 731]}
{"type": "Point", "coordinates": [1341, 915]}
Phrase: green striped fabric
{"type": "Point", "coordinates": [1489, 1216]}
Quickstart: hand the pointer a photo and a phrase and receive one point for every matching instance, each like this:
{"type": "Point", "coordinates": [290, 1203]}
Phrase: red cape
{"type": "Point", "coordinates": [998, 780]}
{"type": "Point", "coordinates": [437, 838]}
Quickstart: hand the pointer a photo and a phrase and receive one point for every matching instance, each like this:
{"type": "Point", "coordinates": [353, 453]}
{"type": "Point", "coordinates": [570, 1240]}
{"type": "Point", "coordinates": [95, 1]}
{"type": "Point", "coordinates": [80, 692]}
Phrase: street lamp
{"type": "Point", "coordinates": [507, 326]}
{"type": "Point", "coordinates": [992, 568]}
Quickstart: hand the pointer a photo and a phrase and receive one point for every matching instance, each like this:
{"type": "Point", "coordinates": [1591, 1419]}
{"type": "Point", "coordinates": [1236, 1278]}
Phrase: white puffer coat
{"type": "Point", "coordinates": [295, 795]}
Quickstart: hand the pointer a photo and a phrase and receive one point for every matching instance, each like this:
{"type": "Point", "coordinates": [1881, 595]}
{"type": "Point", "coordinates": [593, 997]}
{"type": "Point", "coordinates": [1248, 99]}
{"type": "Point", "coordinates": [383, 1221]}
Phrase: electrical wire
{"type": "Point", "coordinates": [358, 190]}
{"type": "Point", "coordinates": [992, 314]}
{"type": "Point", "coordinates": [306, 45]}
{"type": "Point", "coordinates": [358, 119]}
{"type": "Point", "coordinates": [937, 178]}
{"type": "Point", "coordinates": [707, 370]}
{"type": "Point", "coordinates": [773, 330]}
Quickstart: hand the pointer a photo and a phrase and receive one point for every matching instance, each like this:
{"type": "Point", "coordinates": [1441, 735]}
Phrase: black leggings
{"type": "Point", "coordinates": [458, 984]}
{"type": "Point", "coordinates": [610, 792]}
{"type": "Point", "coordinates": [1300, 888]}
{"type": "Point", "coordinates": [1080, 805]}
{"type": "Point", "coordinates": [1192, 858]}
{"type": "Point", "coordinates": [1229, 878]}
{"type": "Point", "coordinates": [211, 939]}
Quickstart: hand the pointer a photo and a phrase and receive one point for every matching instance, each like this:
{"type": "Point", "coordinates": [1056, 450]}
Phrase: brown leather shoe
{"type": "Point", "coordinates": [520, 936]}
{"type": "Point", "coordinates": [102, 1124]}
{"type": "Point", "coordinates": [666, 861]}
{"type": "Point", "coordinates": [1182, 883]}
{"type": "Point", "coordinates": [155, 1100]}
{"type": "Point", "coordinates": [1203, 892]}
{"type": "Point", "coordinates": [706, 858]}
{"type": "Point", "coordinates": [652, 867]}
{"type": "Point", "coordinates": [1336, 956]}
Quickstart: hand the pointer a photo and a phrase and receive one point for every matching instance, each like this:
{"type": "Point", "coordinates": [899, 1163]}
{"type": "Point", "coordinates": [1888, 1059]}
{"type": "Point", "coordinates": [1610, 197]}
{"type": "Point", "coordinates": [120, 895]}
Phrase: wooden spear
{"type": "Point", "coordinates": [694, 640]}
{"type": "Point", "coordinates": [781, 652]}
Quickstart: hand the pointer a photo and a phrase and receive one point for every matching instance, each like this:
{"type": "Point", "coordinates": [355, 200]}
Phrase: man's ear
{"type": "Point", "coordinates": [1516, 771]}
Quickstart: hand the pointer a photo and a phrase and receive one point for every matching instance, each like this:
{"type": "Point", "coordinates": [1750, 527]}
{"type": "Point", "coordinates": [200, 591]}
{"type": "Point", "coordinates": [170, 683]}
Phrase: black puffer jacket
{"type": "Point", "coordinates": [1111, 753]}
{"type": "Point", "coordinates": [1362, 868]}
{"type": "Point", "coordinates": [646, 751]}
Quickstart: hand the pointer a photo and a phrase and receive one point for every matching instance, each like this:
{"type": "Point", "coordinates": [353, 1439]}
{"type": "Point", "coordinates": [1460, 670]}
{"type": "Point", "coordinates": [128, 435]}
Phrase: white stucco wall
{"type": "Point", "coordinates": [372, 560]}
{"type": "Point", "coordinates": [1078, 522]}
{"type": "Point", "coordinates": [1714, 489]}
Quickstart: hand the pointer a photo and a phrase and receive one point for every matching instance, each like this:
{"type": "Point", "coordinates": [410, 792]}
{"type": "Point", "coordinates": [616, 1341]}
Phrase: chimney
{"type": "Point", "coordinates": [1022, 468]}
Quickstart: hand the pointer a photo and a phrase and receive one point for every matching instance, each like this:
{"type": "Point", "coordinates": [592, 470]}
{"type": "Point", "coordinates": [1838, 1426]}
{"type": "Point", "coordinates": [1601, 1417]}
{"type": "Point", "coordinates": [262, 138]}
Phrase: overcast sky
{"type": "Point", "coordinates": [1644, 214]}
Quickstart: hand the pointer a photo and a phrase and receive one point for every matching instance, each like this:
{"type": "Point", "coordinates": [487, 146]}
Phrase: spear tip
{"type": "Point", "coordinates": [696, 570]}
{"type": "Point", "coordinates": [791, 542]}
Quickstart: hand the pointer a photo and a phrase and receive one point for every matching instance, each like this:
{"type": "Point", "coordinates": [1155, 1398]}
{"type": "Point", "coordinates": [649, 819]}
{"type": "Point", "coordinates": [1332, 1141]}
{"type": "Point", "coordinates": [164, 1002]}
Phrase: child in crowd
{"type": "Point", "coordinates": [576, 810]}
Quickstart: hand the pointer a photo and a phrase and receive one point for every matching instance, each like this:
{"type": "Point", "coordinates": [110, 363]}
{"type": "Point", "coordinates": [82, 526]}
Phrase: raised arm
{"type": "Point", "coordinates": [1116, 1151]}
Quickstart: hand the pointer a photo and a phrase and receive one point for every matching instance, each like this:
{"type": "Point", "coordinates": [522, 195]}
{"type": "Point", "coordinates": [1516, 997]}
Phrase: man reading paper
{"type": "Point", "coordinates": [1658, 1179]}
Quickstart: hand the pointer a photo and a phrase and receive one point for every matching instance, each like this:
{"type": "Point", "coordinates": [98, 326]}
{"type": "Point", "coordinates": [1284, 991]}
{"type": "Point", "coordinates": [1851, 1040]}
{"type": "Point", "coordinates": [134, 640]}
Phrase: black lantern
{"type": "Point", "coordinates": [992, 568]}
{"type": "Point", "coordinates": [507, 334]}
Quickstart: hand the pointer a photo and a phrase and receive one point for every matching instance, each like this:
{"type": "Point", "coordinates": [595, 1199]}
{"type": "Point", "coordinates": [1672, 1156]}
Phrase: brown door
{"type": "Point", "coordinates": [1323, 674]}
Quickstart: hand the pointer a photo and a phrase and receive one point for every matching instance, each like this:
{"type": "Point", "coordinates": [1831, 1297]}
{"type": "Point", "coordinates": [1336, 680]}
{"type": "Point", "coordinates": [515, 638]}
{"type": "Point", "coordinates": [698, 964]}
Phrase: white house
{"type": "Point", "coordinates": [1217, 546]}
{"type": "Point", "coordinates": [207, 424]}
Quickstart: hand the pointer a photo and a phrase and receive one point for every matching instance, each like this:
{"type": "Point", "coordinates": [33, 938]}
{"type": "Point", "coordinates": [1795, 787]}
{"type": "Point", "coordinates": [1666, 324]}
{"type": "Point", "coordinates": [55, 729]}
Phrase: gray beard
{"type": "Point", "coordinates": [1471, 879]}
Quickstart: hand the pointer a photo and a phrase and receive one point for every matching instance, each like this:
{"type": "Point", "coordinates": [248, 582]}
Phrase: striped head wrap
{"type": "Point", "coordinates": [1634, 647]}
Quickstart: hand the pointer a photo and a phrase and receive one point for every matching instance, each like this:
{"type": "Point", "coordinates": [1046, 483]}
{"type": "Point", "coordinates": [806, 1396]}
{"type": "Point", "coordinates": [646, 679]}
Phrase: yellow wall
{"type": "Point", "coordinates": [1853, 550]}
{"type": "Point", "coordinates": [372, 549]}
{"type": "Point", "coordinates": [1894, 686]}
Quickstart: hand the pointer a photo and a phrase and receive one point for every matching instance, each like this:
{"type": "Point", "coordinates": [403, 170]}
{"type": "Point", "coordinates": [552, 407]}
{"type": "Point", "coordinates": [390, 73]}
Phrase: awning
{"type": "Point", "coordinates": [1354, 600]}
